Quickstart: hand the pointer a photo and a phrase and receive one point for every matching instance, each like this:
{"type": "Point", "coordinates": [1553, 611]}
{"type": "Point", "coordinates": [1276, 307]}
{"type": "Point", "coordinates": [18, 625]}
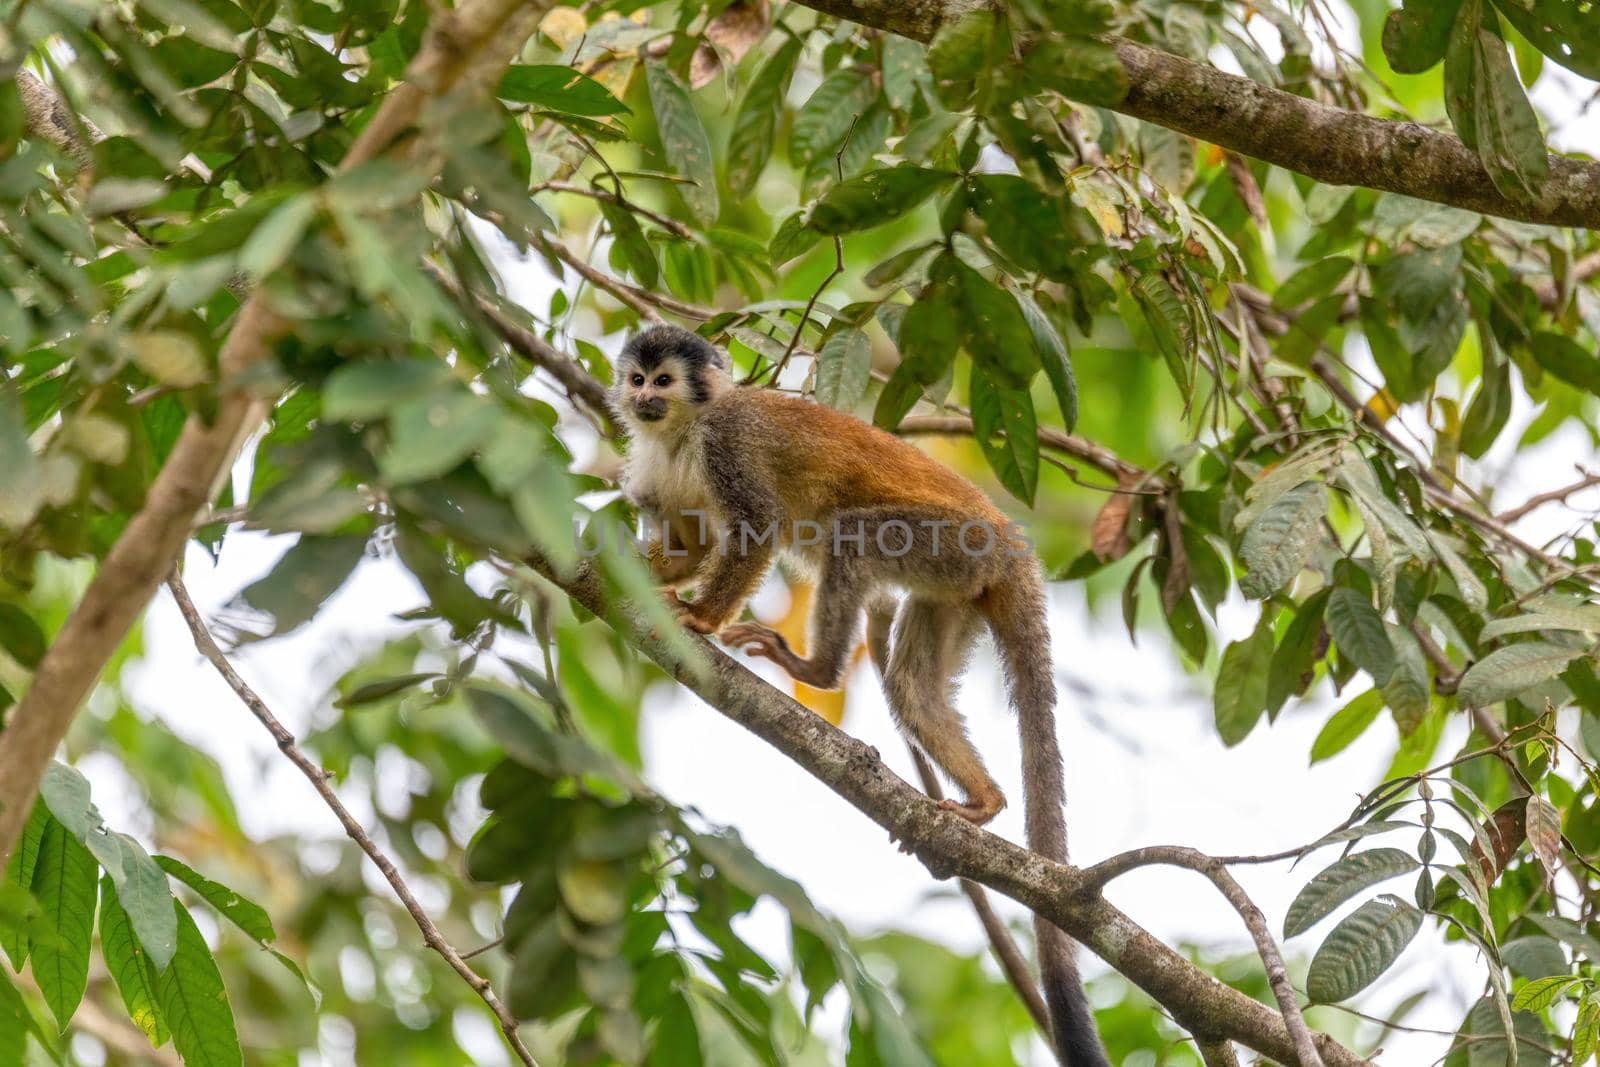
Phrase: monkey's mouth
{"type": "Point", "coordinates": [650, 414]}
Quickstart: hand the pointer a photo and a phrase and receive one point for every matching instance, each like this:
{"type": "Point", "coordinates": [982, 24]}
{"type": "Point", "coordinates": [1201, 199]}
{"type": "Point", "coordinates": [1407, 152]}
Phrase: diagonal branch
{"type": "Point", "coordinates": [468, 47]}
{"type": "Point", "coordinates": [207, 646]}
{"type": "Point", "coordinates": [950, 846]}
{"type": "Point", "coordinates": [1328, 144]}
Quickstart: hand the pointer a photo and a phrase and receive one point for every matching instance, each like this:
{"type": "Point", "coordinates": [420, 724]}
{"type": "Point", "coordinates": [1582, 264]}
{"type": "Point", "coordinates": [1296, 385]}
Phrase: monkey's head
{"type": "Point", "coordinates": [664, 376]}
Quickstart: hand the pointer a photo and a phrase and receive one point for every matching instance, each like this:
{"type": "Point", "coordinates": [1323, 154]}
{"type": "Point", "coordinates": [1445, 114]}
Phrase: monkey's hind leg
{"type": "Point", "coordinates": [835, 621]}
{"type": "Point", "coordinates": [931, 642]}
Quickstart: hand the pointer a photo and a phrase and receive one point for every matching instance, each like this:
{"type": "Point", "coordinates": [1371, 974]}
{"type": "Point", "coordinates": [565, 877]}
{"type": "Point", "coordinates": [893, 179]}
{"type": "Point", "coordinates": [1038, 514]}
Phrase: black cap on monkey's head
{"type": "Point", "coordinates": [664, 368]}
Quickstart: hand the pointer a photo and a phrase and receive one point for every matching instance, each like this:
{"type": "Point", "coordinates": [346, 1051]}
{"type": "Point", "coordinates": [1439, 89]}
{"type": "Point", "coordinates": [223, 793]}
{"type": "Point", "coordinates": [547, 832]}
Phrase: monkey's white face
{"type": "Point", "coordinates": [656, 398]}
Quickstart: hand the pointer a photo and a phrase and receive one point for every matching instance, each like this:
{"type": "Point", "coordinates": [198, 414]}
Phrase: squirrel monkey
{"type": "Point", "coordinates": [729, 476]}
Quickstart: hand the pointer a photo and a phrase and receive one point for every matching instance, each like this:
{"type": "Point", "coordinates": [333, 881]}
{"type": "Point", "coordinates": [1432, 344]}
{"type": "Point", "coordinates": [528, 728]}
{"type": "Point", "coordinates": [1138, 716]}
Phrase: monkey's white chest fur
{"type": "Point", "coordinates": [666, 474]}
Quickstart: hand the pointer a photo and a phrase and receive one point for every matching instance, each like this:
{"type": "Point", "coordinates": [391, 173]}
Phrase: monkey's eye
{"type": "Point", "coordinates": [638, 379]}
{"type": "Point", "coordinates": [664, 380]}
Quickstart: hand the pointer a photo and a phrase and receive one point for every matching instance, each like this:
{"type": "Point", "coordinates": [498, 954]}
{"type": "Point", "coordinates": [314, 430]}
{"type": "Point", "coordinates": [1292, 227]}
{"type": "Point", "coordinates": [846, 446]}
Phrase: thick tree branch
{"type": "Point", "coordinates": [468, 47]}
{"type": "Point", "coordinates": [1326, 143]}
{"type": "Point", "coordinates": [318, 778]}
{"type": "Point", "coordinates": [951, 846]}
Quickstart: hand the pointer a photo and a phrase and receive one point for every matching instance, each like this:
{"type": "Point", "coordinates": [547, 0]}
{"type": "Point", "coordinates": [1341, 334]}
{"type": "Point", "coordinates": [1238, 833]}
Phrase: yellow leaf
{"type": "Point", "coordinates": [564, 26]}
{"type": "Point", "coordinates": [828, 703]}
{"type": "Point", "coordinates": [1383, 405]}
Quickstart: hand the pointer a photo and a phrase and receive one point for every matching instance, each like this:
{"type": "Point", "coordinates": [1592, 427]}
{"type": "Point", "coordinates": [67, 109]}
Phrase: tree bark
{"type": "Point", "coordinates": [1329, 144]}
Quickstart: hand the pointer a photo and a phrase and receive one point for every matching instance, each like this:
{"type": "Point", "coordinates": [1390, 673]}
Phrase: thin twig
{"type": "Point", "coordinates": [319, 781]}
{"type": "Point", "coordinates": [1541, 499]}
{"type": "Point", "coordinates": [1010, 958]}
{"type": "Point", "coordinates": [1213, 868]}
{"type": "Point", "coordinates": [667, 223]}
{"type": "Point", "coordinates": [572, 377]}
{"type": "Point", "coordinates": [838, 268]}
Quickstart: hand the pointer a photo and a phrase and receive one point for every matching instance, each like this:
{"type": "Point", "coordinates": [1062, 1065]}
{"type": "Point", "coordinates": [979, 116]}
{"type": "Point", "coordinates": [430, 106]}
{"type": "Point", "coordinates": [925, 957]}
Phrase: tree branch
{"type": "Point", "coordinates": [318, 778]}
{"type": "Point", "coordinates": [1217, 1052]}
{"type": "Point", "coordinates": [1539, 500]}
{"type": "Point", "coordinates": [951, 846]}
{"type": "Point", "coordinates": [1325, 143]}
{"type": "Point", "coordinates": [1272, 959]}
{"type": "Point", "coordinates": [571, 375]}
{"type": "Point", "coordinates": [468, 47]}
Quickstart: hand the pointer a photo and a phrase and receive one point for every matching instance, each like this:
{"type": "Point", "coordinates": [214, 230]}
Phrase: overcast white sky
{"type": "Point", "coordinates": [1144, 764]}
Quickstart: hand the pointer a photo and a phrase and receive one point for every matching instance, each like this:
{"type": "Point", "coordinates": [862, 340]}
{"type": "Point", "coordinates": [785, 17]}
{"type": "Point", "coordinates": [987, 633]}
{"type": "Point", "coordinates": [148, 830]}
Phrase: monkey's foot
{"type": "Point", "coordinates": [758, 640]}
{"type": "Point", "coordinates": [976, 812]}
{"type": "Point", "coordinates": [684, 610]}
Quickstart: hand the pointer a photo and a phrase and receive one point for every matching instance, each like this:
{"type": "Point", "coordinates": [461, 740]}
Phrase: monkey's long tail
{"type": "Point", "coordinates": [1016, 613]}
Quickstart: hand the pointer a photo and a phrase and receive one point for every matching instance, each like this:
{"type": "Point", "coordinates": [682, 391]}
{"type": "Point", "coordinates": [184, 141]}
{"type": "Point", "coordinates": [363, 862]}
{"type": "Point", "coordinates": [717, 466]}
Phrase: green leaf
{"type": "Point", "coordinates": [1586, 1031]}
{"type": "Point", "coordinates": [900, 394]}
{"type": "Point", "coordinates": [1539, 995]}
{"type": "Point", "coordinates": [64, 884]}
{"type": "Point", "coordinates": [1296, 657]}
{"type": "Point", "coordinates": [372, 388]}
{"type": "Point", "coordinates": [1488, 106]}
{"type": "Point", "coordinates": [1359, 633]}
{"type": "Point", "coordinates": [1014, 458]}
{"type": "Point", "coordinates": [792, 238]}
{"type": "Point", "coordinates": [1415, 38]}
{"type": "Point", "coordinates": [904, 62]}
{"type": "Point", "coordinates": [15, 1022]}
{"type": "Point", "coordinates": [631, 243]}
{"type": "Point", "coordinates": [1550, 615]}
{"type": "Point", "coordinates": [1277, 545]}
{"type": "Point", "coordinates": [844, 366]}
{"type": "Point", "coordinates": [684, 141]}
{"type": "Point", "coordinates": [1342, 880]}
{"type": "Point", "coordinates": [142, 893]}
{"type": "Point", "coordinates": [875, 198]}
{"type": "Point", "coordinates": [1564, 358]}
{"type": "Point", "coordinates": [825, 119]}
{"type": "Point", "coordinates": [1346, 724]}
{"type": "Point", "coordinates": [1312, 282]}
{"type": "Point", "coordinates": [304, 578]}
{"type": "Point", "coordinates": [558, 88]}
{"type": "Point", "coordinates": [22, 491]}
{"type": "Point", "coordinates": [1057, 361]}
{"type": "Point", "coordinates": [130, 967]}
{"type": "Point", "coordinates": [1079, 68]}
{"type": "Point", "coordinates": [1025, 224]}
{"type": "Point", "coordinates": [993, 328]}
{"type": "Point", "coordinates": [1407, 691]}
{"type": "Point", "coordinates": [272, 242]}
{"type": "Point", "coordinates": [755, 126]}
{"type": "Point", "coordinates": [21, 636]}
{"type": "Point", "coordinates": [433, 435]}
{"type": "Point", "coordinates": [1169, 325]}
{"type": "Point", "coordinates": [1534, 956]}
{"type": "Point", "coordinates": [1361, 948]}
{"type": "Point", "coordinates": [194, 1002]}
{"type": "Point", "coordinates": [1490, 408]}
{"type": "Point", "coordinates": [1240, 695]}
{"type": "Point", "coordinates": [957, 55]}
{"type": "Point", "coordinates": [1563, 31]}
{"type": "Point", "coordinates": [244, 913]}
{"type": "Point", "coordinates": [1508, 671]}
{"type": "Point", "coordinates": [19, 873]}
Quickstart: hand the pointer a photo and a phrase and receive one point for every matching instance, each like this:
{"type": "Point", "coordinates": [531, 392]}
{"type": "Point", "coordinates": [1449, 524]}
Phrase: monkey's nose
{"type": "Point", "coordinates": [650, 408]}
